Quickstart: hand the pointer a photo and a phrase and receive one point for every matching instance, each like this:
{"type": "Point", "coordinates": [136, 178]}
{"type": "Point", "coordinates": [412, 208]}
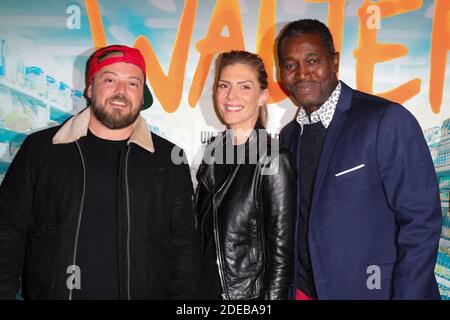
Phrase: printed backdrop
{"type": "Point", "coordinates": [393, 48]}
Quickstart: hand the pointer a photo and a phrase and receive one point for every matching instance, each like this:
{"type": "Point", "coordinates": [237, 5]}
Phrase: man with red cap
{"type": "Point", "coordinates": [96, 208]}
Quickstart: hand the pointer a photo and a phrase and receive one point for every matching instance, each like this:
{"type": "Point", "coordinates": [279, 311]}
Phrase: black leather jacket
{"type": "Point", "coordinates": [254, 213]}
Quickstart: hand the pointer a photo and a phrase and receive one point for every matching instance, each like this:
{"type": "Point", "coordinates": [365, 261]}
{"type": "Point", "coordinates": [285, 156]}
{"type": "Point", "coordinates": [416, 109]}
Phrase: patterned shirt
{"type": "Point", "coordinates": [324, 113]}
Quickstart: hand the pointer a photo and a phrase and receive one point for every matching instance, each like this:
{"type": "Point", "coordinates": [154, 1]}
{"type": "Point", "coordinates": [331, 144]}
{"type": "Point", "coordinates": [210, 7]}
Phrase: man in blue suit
{"type": "Point", "coordinates": [369, 215]}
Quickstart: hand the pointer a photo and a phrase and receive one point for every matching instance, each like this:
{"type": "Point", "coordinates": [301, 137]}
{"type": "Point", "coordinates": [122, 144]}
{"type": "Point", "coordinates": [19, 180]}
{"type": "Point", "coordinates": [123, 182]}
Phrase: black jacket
{"type": "Point", "coordinates": [254, 213]}
{"type": "Point", "coordinates": [40, 214]}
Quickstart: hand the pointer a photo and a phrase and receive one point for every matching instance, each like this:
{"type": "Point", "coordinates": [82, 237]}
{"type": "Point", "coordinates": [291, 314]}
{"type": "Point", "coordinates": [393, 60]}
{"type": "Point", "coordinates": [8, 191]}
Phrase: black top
{"type": "Point", "coordinates": [98, 238]}
{"type": "Point", "coordinates": [311, 144]}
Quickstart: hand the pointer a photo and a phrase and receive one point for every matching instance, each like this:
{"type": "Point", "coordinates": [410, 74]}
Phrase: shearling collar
{"type": "Point", "coordinates": [77, 127]}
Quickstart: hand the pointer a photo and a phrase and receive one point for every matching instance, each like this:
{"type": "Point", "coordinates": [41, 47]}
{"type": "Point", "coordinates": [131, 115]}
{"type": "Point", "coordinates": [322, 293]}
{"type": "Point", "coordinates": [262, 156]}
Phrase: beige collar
{"type": "Point", "coordinates": [77, 127]}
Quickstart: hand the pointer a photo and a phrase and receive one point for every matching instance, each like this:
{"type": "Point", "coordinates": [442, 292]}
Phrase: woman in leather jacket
{"type": "Point", "coordinates": [246, 196]}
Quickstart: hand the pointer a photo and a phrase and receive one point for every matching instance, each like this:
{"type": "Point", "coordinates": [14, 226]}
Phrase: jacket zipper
{"type": "Point", "coordinates": [219, 257]}
{"type": "Point", "coordinates": [253, 240]}
{"type": "Point", "coordinates": [80, 213]}
{"type": "Point", "coordinates": [128, 223]}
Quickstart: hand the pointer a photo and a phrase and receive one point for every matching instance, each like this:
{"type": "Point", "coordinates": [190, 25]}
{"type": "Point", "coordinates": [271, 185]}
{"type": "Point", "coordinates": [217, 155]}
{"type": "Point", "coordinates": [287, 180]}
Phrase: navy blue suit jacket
{"type": "Point", "coordinates": [375, 210]}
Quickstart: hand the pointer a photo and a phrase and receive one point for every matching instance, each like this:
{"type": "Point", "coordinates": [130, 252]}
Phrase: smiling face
{"type": "Point", "coordinates": [308, 70]}
{"type": "Point", "coordinates": [116, 94]}
{"type": "Point", "coordinates": [239, 96]}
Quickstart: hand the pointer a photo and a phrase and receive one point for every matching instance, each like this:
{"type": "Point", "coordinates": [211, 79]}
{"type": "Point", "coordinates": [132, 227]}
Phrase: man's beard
{"type": "Point", "coordinates": [115, 119]}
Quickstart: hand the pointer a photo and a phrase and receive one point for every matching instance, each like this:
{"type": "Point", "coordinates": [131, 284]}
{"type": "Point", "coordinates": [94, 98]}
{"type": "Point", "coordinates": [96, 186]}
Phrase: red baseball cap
{"type": "Point", "coordinates": [102, 58]}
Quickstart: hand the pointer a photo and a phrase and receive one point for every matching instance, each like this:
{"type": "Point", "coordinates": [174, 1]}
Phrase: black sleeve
{"type": "Point", "coordinates": [409, 179]}
{"type": "Point", "coordinates": [16, 195]}
{"type": "Point", "coordinates": [185, 241]}
{"type": "Point", "coordinates": [279, 205]}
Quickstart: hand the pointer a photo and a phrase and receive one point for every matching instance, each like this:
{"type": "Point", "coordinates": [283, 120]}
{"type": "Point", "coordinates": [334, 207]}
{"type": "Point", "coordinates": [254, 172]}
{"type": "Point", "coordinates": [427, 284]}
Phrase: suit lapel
{"type": "Point", "coordinates": [333, 132]}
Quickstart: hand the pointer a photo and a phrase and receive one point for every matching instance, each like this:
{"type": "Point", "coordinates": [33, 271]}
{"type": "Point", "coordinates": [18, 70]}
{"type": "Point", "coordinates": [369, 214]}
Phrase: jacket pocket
{"type": "Point", "coordinates": [253, 237]}
{"type": "Point", "coordinates": [156, 266]}
{"type": "Point", "coordinates": [40, 262]}
{"type": "Point", "coordinates": [383, 270]}
{"type": "Point", "coordinates": [32, 291]}
{"type": "Point", "coordinates": [157, 241]}
{"type": "Point", "coordinates": [349, 174]}
{"type": "Point", "coordinates": [378, 280]}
